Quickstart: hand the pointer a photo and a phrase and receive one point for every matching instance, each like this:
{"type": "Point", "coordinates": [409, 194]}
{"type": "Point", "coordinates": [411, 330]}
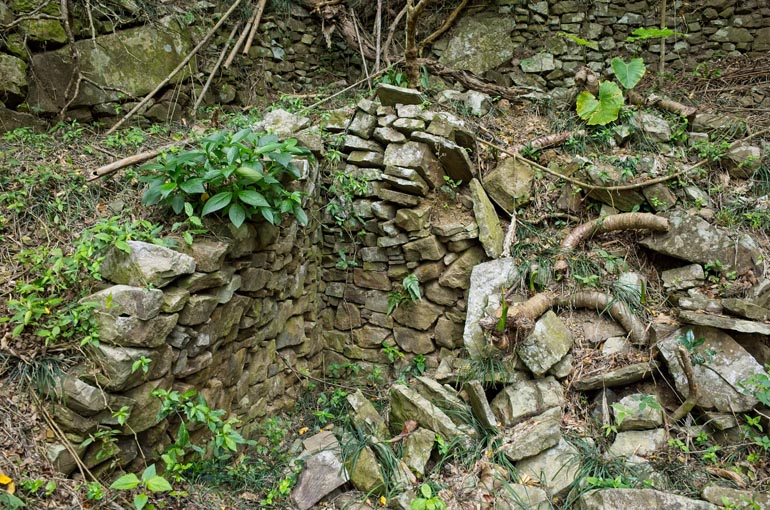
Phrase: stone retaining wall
{"type": "Point", "coordinates": [230, 317]}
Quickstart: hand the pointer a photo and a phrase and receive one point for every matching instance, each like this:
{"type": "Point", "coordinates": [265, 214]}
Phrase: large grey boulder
{"type": "Point", "coordinates": [127, 300]}
{"type": "Point", "coordinates": [417, 156]}
{"type": "Point", "coordinates": [365, 416]}
{"type": "Point", "coordinates": [282, 123]}
{"type": "Point", "coordinates": [131, 61]}
{"type": "Point", "coordinates": [480, 43]}
{"type": "Point", "coordinates": [486, 282]}
{"type": "Point", "coordinates": [549, 341]}
{"type": "Point", "coordinates": [640, 415]}
{"type": "Point", "coordinates": [146, 264]}
{"type": "Point", "coordinates": [638, 442]}
{"type": "Point", "coordinates": [693, 239]}
{"type": "Point", "coordinates": [365, 472]}
{"type": "Point", "coordinates": [132, 331]}
{"type": "Point", "coordinates": [639, 499]}
{"type": "Point", "coordinates": [653, 127]}
{"type": "Point", "coordinates": [80, 396]}
{"type": "Point", "coordinates": [524, 399]}
{"type": "Point", "coordinates": [719, 376]}
{"type": "Point", "coordinates": [417, 448]}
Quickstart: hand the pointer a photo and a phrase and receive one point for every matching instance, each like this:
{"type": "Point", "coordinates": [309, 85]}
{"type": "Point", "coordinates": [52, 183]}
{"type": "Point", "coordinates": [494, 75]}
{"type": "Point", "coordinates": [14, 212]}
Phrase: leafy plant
{"type": "Point", "coordinates": [240, 174]}
{"type": "Point", "coordinates": [644, 33]}
{"type": "Point", "coordinates": [427, 500]}
{"type": "Point", "coordinates": [411, 286]}
{"type": "Point", "coordinates": [605, 108]}
{"type": "Point", "coordinates": [579, 40]}
{"type": "Point", "coordinates": [691, 343]}
{"type": "Point", "coordinates": [150, 481]}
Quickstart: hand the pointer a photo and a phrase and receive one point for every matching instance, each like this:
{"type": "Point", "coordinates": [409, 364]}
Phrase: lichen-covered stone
{"type": "Point", "coordinates": [118, 300]}
{"type": "Point", "coordinates": [549, 341]}
{"type": "Point", "coordinates": [510, 184]}
{"type": "Point", "coordinates": [480, 43]}
{"type": "Point", "coordinates": [490, 232]}
{"type": "Point", "coordinates": [146, 264]}
{"type": "Point", "coordinates": [13, 87]}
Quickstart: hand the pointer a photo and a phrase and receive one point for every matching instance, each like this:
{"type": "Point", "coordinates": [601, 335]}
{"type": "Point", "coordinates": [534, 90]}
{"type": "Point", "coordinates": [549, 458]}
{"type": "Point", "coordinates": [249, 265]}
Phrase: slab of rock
{"type": "Point", "coordinates": [365, 472]}
{"type": "Point", "coordinates": [419, 315]}
{"type": "Point", "coordinates": [146, 264]}
{"type": "Point", "coordinates": [693, 239]}
{"type": "Point", "coordinates": [515, 496]}
{"type": "Point", "coordinates": [638, 414]}
{"type": "Point", "coordinates": [484, 297]}
{"type": "Point", "coordinates": [617, 377]}
{"type": "Point", "coordinates": [533, 436]}
{"type": "Point", "coordinates": [743, 160]}
{"type": "Point", "coordinates": [198, 309]}
{"type": "Point", "coordinates": [510, 184]}
{"type": "Point", "coordinates": [654, 128]}
{"type": "Point", "coordinates": [490, 232]}
{"type": "Point", "coordinates": [131, 331]}
{"type": "Point", "coordinates": [720, 496]}
{"type": "Point", "coordinates": [13, 89]}
{"type": "Point", "coordinates": [479, 404]}
{"type": "Point", "coordinates": [118, 300]}
{"type": "Point", "coordinates": [362, 124]}
{"type": "Point", "coordinates": [604, 174]}
{"type": "Point", "coordinates": [639, 499]}
{"type": "Point", "coordinates": [80, 396]}
{"type": "Point", "coordinates": [321, 473]}
{"type": "Point", "coordinates": [556, 467]}
{"type": "Point", "coordinates": [718, 378]}
{"type": "Point", "coordinates": [443, 396]}
{"type": "Point", "coordinates": [549, 341]}
{"type": "Point", "coordinates": [457, 275]}
{"type": "Point", "coordinates": [453, 128]}
{"type": "Point", "coordinates": [407, 404]}
{"type": "Point", "coordinates": [390, 95]}
{"type": "Point", "coordinates": [418, 156]}
{"type": "Point", "coordinates": [480, 43]}
{"type": "Point", "coordinates": [746, 309]}
{"type": "Point", "coordinates": [454, 158]}
{"type": "Point", "coordinates": [417, 448]}
{"type": "Point", "coordinates": [683, 278]}
{"type": "Point", "coordinates": [282, 123]}
{"type": "Point", "coordinates": [524, 399]}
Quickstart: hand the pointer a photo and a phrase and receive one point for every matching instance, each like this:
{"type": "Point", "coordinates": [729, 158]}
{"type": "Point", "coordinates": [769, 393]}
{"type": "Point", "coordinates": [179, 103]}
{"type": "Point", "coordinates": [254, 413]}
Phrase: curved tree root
{"type": "Point", "coordinates": [521, 317]}
{"type": "Point", "coordinates": [623, 221]}
{"type": "Point", "coordinates": [692, 388]}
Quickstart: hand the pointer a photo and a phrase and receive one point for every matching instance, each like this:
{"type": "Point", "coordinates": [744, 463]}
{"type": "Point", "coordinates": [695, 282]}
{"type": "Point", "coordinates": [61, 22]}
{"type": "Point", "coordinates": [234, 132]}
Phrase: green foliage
{"type": "Point", "coordinates": [10, 502]}
{"type": "Point", "coordinates": [689, 342]}
{"type": "Point", "coordinates": [642, 33]}
{"type": "Point", "coordinates": [630, 73]}
{"type": "Point", "coordinates": [603, 110]}
{"type": "Point", "coordinates": [39, 304]}
{"type": "Point", "coordinates": [131, 138]}
{"type": "Point", "coordinates": [579, 40]}
{"type": "Point", "coordinates": [712, 151]}
{"type": "Point", "coordinates": [239, 174]}
{"type": "Point", "coordinates": [394, 77]}
{"type": "Point", "coordinates": [191, 409]}
{"type": "Point", "coordinates": [427, 500]}
{"type": "Point", "coordinates": [150, 481]}
{"type": "Point", "coordinates": [410, 292]}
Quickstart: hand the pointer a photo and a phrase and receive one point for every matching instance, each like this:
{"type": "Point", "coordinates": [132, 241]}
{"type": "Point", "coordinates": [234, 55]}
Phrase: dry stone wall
{"type": "Point", "coordinates": [226, 317]}
{"type": "Point", "coordinates": [415, 218]}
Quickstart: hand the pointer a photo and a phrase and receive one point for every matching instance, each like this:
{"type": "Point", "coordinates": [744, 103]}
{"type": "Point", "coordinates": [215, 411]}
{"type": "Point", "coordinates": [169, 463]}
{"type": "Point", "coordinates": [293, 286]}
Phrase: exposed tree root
{"type": "Point", "coordinates": [692, 388]}
{"type": "Point", "coordinates": [624, 221]}
{"type": "Point", "coordinates": [662, 103]}
{"type": "Point", "coordinates": [549, 140]}
{"type": "Point", "coordinates": [411, 51]}
{"type": "Point", "coordinates": [521, 317]}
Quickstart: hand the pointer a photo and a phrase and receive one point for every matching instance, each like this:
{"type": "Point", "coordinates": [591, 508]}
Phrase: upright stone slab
{"type": "Point", "coordinates": [549, 341]}
{"type": "Point", "coordinates": [490, 232]}
{"type": "Point", "coordinates": [487, 281]}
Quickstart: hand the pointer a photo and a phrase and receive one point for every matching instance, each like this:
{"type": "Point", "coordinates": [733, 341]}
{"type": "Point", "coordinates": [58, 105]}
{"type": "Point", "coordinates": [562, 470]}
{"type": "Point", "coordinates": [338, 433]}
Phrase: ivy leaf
{"type": "Point", "coordinates": [217, 202]}
{"type": "Point", "coordinates": [628, 73]}
{"type": "Point", "coordinates": [125, 482]}
{"type": "Point", "coordinates": [605, 109]}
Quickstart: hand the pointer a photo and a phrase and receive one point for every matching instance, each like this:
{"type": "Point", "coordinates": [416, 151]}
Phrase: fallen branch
{"type": "Point", "coordinates": [623, 221]}
{"type": "Point", "coordinates": [178, 68]}
{"type": "Point", "coordinates": [549, 140]}
{"type": "Point", "coordinates": [664, 104]}
{"type": "Point", "coordinates": [361, 48]}
{"type": "Point", "coordinates": [692, 388]}
{"type": "Point", "coordinates": [130, 160]}
{"type": "Point", "coordinates": [216, 68]}
{"type": "Point", "coordinates": [240, 40]}
{"type": "Point", "coordinates": [254, 26]}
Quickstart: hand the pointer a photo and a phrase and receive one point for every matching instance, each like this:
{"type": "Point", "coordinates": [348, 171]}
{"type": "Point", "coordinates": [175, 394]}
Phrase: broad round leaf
{"type": "Point", "coordinates": [628, 73]}
{"type": "Point", "coordinates": [125, 482]}
{"type": "Point", "coordinates": [586, 105]}
{"type": "Point", "coordinates": [194, 185]}
{"type": "Point", "coordinates": [217, 202]}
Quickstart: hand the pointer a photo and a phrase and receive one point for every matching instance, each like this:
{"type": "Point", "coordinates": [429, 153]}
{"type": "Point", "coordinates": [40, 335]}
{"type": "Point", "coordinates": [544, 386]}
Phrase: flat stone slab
{"type": "Point", "coordinates": [639, 499]}
{"type": "Point", "coordinates": [390, 95]}
{"type": "Point", "coordinates": [556, 467]}
{"type": "Point", "coordinates": [533, 436]}
{"type": "Point", "coordinates": [723, 322]}
{"type": "Point", "coordinates": [618, 377]}
{"type": "Point", "coordinates": [638, 442]}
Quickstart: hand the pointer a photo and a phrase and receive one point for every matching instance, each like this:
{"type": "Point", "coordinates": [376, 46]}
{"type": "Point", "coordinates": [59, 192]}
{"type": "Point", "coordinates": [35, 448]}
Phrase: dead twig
{"type": "Point", "coordinates": [445, 26]}
{"type": "Point", "coordinates": [411, 51]}
{"type": "Point", "coordinates": [131, 160]}
{"type": "Point", "coordinates": [241, 39]}
{"type": "Point", "coordinates": [178, 68]}
{"type": "Point", "coordinates": [549, 140]}
{"type": "Point", "coordinates": [361, 48]}
{"type": "Point", "coordinates": [216, 68]}
{"type": "Point", "coordinates": [254, 26]}
{"type": "Point", "coordinates": [683, 357]}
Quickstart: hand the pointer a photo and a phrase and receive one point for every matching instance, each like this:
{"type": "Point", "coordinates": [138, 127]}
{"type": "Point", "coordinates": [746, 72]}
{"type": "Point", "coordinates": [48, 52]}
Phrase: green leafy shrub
{"type": "Point", "coordinates": [240, 174]}
{"type": "Point", "coordinates": [428, 500]}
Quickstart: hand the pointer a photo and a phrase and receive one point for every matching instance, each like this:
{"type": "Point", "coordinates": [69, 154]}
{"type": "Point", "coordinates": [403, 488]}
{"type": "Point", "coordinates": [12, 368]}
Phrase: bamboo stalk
{"type": "Point", "coordinates": [216, 68]}
{"type": "Point", "coordinates": [254, 26]}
